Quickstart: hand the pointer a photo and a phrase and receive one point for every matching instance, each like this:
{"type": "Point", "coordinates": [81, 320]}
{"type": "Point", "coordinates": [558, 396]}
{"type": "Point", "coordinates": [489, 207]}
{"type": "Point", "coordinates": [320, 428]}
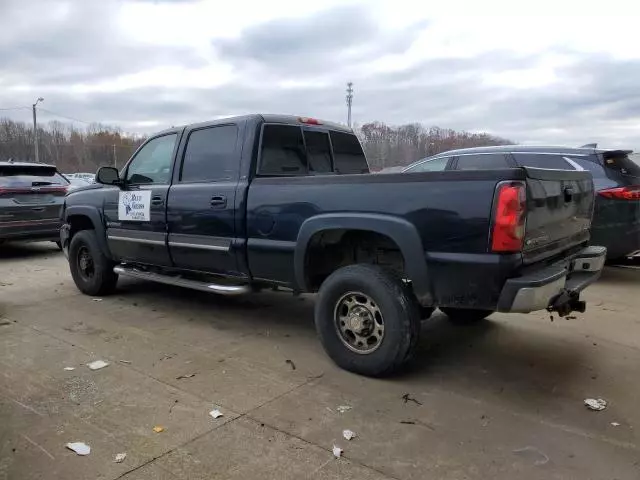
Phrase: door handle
{"type": "Point", "coordinates": [157, 200]}
{"type": "Point", "coordinates": [218, 201]}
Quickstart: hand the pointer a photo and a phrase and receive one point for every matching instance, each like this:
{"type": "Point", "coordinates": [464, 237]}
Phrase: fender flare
{"type": "Point", "coordinates": [402, 232]}
{"type": "Point", "coordinates": [92, 214]}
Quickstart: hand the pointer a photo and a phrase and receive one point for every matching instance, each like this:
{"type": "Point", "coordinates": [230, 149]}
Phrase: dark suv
{"type": "Point", "coordinates": [31, 195]}
{"type": "Point", "coordinates": [616, 178]}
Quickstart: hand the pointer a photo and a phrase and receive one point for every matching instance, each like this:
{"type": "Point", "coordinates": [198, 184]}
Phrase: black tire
{"type": "Point", "coordinates": [465, 316]}
{"type": "Point", "coordinates": [97, 278]}
{"type": "Point", "coordinates": [393, 302]}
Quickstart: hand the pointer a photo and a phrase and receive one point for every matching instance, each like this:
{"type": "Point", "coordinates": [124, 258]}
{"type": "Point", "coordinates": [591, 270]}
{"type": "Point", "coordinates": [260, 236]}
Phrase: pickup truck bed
{"type": "Point", "coordinates": [238, 204]}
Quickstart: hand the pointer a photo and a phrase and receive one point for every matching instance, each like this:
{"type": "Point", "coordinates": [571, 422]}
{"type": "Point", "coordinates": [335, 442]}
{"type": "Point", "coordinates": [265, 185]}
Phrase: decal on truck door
{"type": "Point", "coordinates": [135, 206]}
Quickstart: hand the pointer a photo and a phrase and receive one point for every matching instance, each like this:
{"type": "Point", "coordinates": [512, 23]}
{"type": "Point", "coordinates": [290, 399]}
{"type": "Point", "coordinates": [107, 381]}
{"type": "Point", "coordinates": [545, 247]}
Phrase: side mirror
{"type": "Point", "coordinates": [108, 176]}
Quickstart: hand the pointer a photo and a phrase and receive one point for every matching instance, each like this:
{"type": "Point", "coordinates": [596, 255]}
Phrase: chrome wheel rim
{"type": "Point", "coordinates": [359, 322]}
{"type": "Point", "coordinates": [85, 263]}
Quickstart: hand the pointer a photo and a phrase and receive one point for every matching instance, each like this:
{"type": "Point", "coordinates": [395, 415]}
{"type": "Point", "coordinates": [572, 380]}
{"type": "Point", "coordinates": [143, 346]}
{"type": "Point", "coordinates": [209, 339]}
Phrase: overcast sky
{"type": "Point", "coordinates": [483, 65]}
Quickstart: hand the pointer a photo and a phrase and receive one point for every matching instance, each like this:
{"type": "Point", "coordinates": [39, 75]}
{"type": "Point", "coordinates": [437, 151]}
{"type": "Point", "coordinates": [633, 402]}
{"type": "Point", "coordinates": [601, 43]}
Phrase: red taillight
{"type": "Point", "coordinates": [310, 121]}
{"type": "Point", "coordinates": [508, 223]}
{"type": "Point", "coordinates": [622, 193]}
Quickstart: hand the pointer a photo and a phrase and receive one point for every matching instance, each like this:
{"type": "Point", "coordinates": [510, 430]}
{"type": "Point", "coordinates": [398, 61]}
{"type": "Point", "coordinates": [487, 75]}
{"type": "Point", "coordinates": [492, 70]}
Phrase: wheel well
{"type": "Point", "coordinates": [330, 250]}
{"type": "Point", "coordinates": [79, 222]}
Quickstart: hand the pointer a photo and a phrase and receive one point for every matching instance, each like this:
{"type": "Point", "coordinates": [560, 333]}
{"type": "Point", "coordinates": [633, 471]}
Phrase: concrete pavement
{"type": "Point", "coordinates": [500, 400]}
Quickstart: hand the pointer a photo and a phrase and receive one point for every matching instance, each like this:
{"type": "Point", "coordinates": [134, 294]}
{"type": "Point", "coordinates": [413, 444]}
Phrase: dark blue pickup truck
{"type": "Point", "coordinates": [234, 205]}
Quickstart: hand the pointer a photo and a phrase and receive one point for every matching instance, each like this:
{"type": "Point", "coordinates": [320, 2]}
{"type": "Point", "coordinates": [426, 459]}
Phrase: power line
{"type": "Point", "coordinates": [63, 116]}
{"type": "Point", "coordinates": [14, 108]}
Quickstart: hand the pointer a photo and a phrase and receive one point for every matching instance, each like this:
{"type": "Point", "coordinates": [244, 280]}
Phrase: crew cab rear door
{"type": "Point", "coordinates": [202, 204]}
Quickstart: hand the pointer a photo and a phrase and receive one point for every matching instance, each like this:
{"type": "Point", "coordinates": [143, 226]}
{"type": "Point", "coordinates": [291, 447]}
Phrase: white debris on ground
{"type": "Point", "coordinates": [80, 448]}
{"type": "Point", "coordinates": [120, 457]}
{"type": "Point", "coordinates": [97, 365]}
{"type": "Point", "coordinates": [596, 404]}
{"type": "Point", "coordinates": [615, 424]}
{"type": "Point", "coordinates": [348, 434]}
{"type": "Point", "coordinates": [337, 451]}
{"type": "Point", "coordinates": [97, 299]}
{"type": "Point", "coordinates": [343, 408]}
{"type": "Point", "coordinates": [69, 369]}
{"type": "Point", "coordinates": [215, 413]}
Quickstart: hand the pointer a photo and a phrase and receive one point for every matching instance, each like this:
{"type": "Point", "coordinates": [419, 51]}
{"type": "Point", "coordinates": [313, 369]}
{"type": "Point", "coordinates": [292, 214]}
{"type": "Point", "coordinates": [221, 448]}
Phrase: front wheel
{"type": "Point", "coordinates": [91, 270]}
{"type": "Point", "coordinates": [465, 316]}
{"type": "Point", "coordinates": [367, 319]}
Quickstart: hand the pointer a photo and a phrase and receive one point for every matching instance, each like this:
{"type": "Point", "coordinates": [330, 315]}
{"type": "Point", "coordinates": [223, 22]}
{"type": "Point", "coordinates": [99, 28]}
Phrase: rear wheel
{"type": "Point", "coordinates": [465, 316]}
{"type": "Point", "coordinates": [91, 270]}
{"type": "Point", "coordinates": [367, 319]}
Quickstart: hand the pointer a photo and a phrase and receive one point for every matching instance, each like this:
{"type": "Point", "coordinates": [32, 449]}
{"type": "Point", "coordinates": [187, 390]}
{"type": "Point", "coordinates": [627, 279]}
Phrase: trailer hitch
{"type": "Point", "coordinates": [566, 302]}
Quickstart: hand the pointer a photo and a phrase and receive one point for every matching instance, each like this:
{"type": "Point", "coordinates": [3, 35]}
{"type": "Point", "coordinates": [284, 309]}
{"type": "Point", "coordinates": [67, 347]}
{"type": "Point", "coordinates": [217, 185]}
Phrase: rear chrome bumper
{"type": "Point", "coordinates": [555, 287]}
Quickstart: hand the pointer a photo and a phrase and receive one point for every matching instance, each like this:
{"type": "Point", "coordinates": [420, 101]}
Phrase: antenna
{"type": "Point", "coordinates": [349, 102]}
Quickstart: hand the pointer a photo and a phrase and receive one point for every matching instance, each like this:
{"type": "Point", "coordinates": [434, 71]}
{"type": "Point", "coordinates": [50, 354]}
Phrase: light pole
{"type": "Point", "coordinates": [35, 129]}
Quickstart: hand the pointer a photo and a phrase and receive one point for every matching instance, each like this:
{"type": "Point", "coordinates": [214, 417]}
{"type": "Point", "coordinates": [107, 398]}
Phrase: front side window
{"type": "Point", "coordinates": [152, 164]}
{"type": "Point", "coordinates": [210, 155]}
{"type": "Point", "coordinates": [435, 165]}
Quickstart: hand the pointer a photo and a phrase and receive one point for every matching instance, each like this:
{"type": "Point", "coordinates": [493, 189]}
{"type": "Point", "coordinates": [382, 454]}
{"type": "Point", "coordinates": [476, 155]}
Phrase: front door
{"type": "Point", "coordinates": [136, 213]}
{"type": "Point", "coordinates": [201, 207]}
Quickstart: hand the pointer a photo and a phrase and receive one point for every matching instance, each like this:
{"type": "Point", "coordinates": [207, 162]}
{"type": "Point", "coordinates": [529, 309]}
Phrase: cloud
{"type": "Point", "coordinates": [105, 61]}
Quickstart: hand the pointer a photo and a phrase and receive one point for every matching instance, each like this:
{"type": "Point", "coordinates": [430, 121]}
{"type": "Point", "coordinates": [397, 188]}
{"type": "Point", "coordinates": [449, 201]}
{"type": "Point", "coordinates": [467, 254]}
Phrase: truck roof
{"type": "Point", "coordinates": [262, 117]}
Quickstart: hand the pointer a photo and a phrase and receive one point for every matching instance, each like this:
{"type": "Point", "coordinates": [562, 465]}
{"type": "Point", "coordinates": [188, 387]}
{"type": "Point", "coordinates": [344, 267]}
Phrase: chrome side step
{"type": "Point", "coordinates": [183, 282]}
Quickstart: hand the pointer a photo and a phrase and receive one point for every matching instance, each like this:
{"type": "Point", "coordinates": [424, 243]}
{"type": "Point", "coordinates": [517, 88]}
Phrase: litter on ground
{"type": "Point", "coordinates": [80, 448]}
{"type": "Point", "coordinates": [69, 369]}
{"type": "Point", "coordinates": [615, 424]}
{"type": "Point", "coordinates": [97, 299]}
{"type": "Point", "coordinates": [337, 451]}
{"type": "Point", "coordinates": [188, 375]}
{"type": "Point", "coordinates": [348, 434]}
{"type": "Point", "coordinates": [215, 413]}
{"type": "Point", "coordinates": [158, 429]}
{"type": "Point", "coordinates": [596, 404]}
{"type": "Point", "coordinates": [343, 408]}
{"type": "Point", "coordinates": [120, 457]}
{"type": "Point", "coordinates": [97, 365]}
{"type": "Point", "coordinates": [127, 362]}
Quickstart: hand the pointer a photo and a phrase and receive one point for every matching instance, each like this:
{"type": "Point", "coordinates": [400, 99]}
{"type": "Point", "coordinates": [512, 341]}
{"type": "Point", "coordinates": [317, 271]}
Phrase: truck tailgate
{"type": "Point", "coordinates": [559, 209]}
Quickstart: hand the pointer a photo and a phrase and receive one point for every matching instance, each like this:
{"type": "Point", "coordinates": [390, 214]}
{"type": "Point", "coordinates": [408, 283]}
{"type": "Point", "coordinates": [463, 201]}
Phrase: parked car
{"type": "Point", "coordinates": [75, 182]}
{"type": "Point", "coordinates": [234, 205]}
{"type": "Point", "coordinates": [616, 219]}
{"type": "Point", "coordinates": [31, 195]}
{"type": "Point", "coordinates": [88, 177]}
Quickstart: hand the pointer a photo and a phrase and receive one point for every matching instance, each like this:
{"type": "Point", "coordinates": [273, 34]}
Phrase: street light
{"type": "Point", "coordinates": [35, 129]}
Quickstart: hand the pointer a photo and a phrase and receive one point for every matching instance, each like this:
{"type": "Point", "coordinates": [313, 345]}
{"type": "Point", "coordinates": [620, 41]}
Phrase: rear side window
{"type": "Point", "coordinates": [589, 164]}
{"type": "Point", "coordinates": [19, 176]}
{"type": "Point", "coordinates": [435, 165]}
{"type": "Point", "coordinates": [348, 154]}
{"type": "Point", "coordinates": [283, 151]}
{"type": "Point", "coordinates": [540, 160]}
{"type": "Point", "coordinates": [210, 155]}
{"type": "Point", "coordinates": [620, 162]}
{"type": "Point", "coordinates": [482, 161]}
